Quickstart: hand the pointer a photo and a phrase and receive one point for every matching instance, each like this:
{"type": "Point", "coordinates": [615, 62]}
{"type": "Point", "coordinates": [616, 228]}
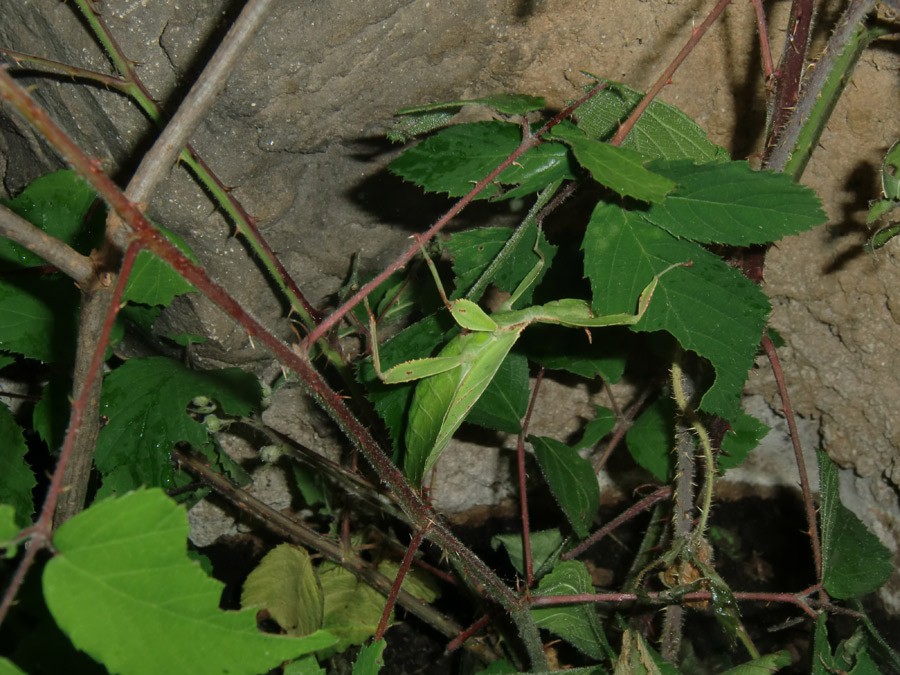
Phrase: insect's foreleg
{"type": "Point", "coordinates": [647, 293]}
{"type": "Point", "coordinates": [437, 278]}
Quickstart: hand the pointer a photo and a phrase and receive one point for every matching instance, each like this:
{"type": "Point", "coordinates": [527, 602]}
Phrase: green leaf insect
{"type": "Point", "coordinates": [454, 380]}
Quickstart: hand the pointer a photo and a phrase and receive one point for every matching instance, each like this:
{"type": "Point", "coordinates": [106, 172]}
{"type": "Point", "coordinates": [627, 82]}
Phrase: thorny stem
{"type": "Point", "coordinates": [418, 512]}
{"type": "Point", "coordinates": [790, 69]}
{"type": "Point", "coordinates": [682, 400]}
{"type": "Point", "coordinates": [523, 482]}
{"type": "Point", "coordinates": [134, 87]}
{"type": "Point", "coordinates": [464, 635]}
{"type": "Point", "coordinates": [398, 582]}
{"type": "Point", "coordinates": [629, 513]}
{"type": "Point", "coordinates": [808, 504]}
{"type": "Point", "coordinates": [303, 535]}
{"type": "Point", "coordinates": [199, 100]}
{"type": "Point", "coordinates": [780, 153]}
{"type": "Point", "coordinates": [664, 79]}
{"type": "Point", "coordinates": [800, 599]}
{"type": "Point", "coordinates": [40, 533]}
{"type": "Point", "coordinates": [528, 142]}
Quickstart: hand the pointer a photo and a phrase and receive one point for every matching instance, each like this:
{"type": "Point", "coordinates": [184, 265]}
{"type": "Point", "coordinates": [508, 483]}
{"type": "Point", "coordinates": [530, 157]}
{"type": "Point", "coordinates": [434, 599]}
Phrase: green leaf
{"type": "Point", "coordinates": [546, 546]}
{"type": "Point", "coordinates": [744, 435]}
{"type": "Point", "coordinates": [662, 131]}
{"type": "Point", "coordinates": [308, 665]}
{"type": "Point", "coordinates": [352, 608]}
{"type": "Point", "coordinates": [59, 204]}
{"type": "Point", "coordinates": [730, 203]}
{"type": "Point", "coordinates": [597, 428]}
{"type": "Point", "coordinates": [571, 479]}
{"type": "Point", "coordinates": [416, 582]}
{"type": "Point", "coordinates": [578, 625]}
{"type": "Point", "coordinates": [651, 438]}
{"type": "Point", "coordinates": [556, 348]}
{"type": "Point", "coordinates": [51, 414]}
{"type": "Point", "coordinates": [710, 308]}
{"type": "Point", "coordinates": [454, 159]}
{"type": "Point", "coordinates": [38, 317]}
{"type": "Point", "coordinates": [152, 280]}
{"type": "Point", "coordinates": [370, 659]}
{"type": "Point", "coordinates": [505, 401]}
{"type": "Point", "coordinates": [7, 667]}
{"type": "Point", "coordinates": [285, 584]}
{"type": "Point", "coordinates": [122, 571]}
{"type": "Point", "coordinates": [850, 656]}
{"type": "Point", "coordinates": [620, 169]}
{"type": "Point", "coordinates": [770, 663]}
{"type": "Point", "coordinates": [16, 477]}
{"type": "Point", "coordinates": [507, 104]}
{"type": "Point", "coordinates": [8, 529]}
{"type": "Point", "coordinates": [145, 401]}
{"type": "Point", "coordinates": [854, 561]}
{"type": "Point", "coordinates": [474, 250]}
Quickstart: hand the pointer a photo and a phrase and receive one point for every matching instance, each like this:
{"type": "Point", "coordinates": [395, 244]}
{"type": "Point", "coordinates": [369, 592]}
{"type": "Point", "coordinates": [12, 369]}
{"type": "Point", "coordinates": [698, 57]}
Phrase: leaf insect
{"type": "Point", "coordinates": [455, 379]}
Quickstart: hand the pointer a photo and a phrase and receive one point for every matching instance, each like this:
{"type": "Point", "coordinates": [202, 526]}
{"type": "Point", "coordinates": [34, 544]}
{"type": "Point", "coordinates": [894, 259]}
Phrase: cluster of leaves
{"type": "Point", "coordinates": [667, 195]}
{"type": "Point", "coordinates": [159, 603]}
{"type": "Point", "coordinates": [137, 604]}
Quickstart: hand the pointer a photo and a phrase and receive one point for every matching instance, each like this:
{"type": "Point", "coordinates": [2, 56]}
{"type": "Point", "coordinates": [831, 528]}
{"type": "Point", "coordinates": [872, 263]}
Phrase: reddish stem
{"type": "Point", "coordinates": [808, 504]}
{"type": "Point", "coordinates": [398, 582]}
{"type": "Point", "coordinates": [523, 483]}
{"type": "Point", "coordinates": [763, 32]}
{"type": "Point", "coordinates": [664, 79]}
{"type": "Point", "coordinates": [458, 641]}
{"type": "Point", "coordinates": [791, 67]}
{"type": "Point", "coordinates": [41, 532]}
{"type": "Point", "coordinates": [420, 514]}
{"type": "Point", "coordinates": [801, 599]}
{"type": "Point", "coordinates": [528, 141]}
{"type": "Point", "coordinates": [629, 513]}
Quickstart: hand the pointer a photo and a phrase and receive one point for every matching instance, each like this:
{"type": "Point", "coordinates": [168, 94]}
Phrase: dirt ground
{"type": "Point", "coordinates": [299, 134]}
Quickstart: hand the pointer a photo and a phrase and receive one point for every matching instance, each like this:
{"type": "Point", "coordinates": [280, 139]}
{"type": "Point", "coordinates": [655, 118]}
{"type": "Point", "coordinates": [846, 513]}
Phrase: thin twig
{"type": "Point", "coordinates": [763, 32]}
{"type": "Point", "coordinates": [523, 482]}
{"type": "Point", "coordinates": [398, 582]}
{"type": "Point", "coordinates": [299, 533]}
{"type": "Point", "coordinates": [418, 512]}
{"type": "Point", "coordinates": [664, 79]}
{"type": "Point", "coordinates": [629, 513]}
{"type": "Point", "coordinates": [198, 101]}
{"type": "Point", "coordinates": [808, 504]}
